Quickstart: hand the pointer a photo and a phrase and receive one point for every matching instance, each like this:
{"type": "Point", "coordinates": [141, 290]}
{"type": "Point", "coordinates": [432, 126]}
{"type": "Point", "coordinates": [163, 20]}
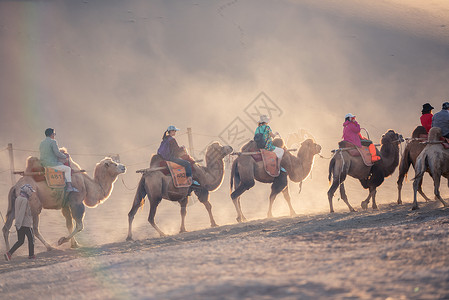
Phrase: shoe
{"type": "Point", "coordinates": [375, 158]}
{"type": "Point", "coordinates": [70, 188]}
{"type": "Point", "coordinates": [7, 256]}
{"type": "Point", "coordinates": [32, 257]}
{"type": "Point", "coordinates": [196, 183]}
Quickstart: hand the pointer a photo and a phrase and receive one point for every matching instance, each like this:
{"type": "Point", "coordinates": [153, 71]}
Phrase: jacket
{"type": "Point", "coordinates": [441, 120]}
{"type": "Point", "coordinates": [426, 121]}
{"type": "Point", "coordinates": [23, 213]}
{"type": "Point", "coordinates": [351, 133]}
{"type": "Point", "coordinates": [49, 153]}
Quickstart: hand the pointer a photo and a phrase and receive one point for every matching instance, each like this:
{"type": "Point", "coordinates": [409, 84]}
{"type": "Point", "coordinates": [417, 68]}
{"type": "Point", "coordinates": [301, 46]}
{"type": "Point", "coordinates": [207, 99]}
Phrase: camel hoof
{"type": "Point", "coordinates": [75, 246]}
{"type": "Point", "coordinates": [415, 207]}
{"type": "Point", "coordinates": [364, 205]}
{"type": "Point", "coordinates": [62, 241]}
{"type": "Point", "coordinates": [375, 208]}
{"type": "Point", "coordinates": [214, 225]}
{"type": "Point", "coordinates": [400, 202]}
{"type": "Point", "coordinates": [50, 248]}
{"type": "Point", "coordinates": [129, 238]}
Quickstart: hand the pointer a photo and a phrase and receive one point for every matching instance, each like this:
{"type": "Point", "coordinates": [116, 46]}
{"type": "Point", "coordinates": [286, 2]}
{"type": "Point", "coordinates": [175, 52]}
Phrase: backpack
{"type": "Point", "coordinates": [259, 139]}
{"type": "Point", "coordinates": [164, 148]}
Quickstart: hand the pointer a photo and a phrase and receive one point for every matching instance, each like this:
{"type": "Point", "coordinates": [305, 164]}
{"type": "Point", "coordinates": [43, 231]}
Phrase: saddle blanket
{"type": "Point", "coordinates": [55, 178]}
{"type": "Point", "coordinates": [178, 173]}
{"type": "Point", "coordinates": [270, 163]}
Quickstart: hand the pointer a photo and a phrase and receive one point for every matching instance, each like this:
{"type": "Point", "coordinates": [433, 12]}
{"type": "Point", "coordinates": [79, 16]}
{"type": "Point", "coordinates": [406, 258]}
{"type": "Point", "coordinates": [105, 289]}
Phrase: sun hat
{"type": "Point", "coordinates": [171, 127]}
{"type": "Point", "coordinates": [264, 119]}
{"type": "Point", "coordinates": [27, 189]}
{"type": "Point", "coordinates": [427, 107]}
{"type": "Point", "coordinates": [349, 115]}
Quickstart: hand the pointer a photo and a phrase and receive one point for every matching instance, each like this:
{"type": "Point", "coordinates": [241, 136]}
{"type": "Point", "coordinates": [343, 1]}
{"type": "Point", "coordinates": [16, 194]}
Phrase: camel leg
{"type": "Point", "coordinates": [6, 228]}
{"type": "Point", "coordinates": [203, 196]}
{"type": "Point", "coordinates": [279, 184]}
{"type": "Point", "coordinates": [183, 204]}
{"type": "Point", "coordinates": [235, 196]}
{"type": "Point", "coordinates": [38, 234]}
{"type": "Point", "coordinates": [421, 192]}
{"type": "Point", "coordinates": [345, 198]}
{"type": "Point", "coordinates": [240, 217]}
{"type": "Point", "coordinates": [330, 194]}
{"type": "Point", "coordinates": [373, 195]}
{"type": "Point", "coordinates": [416, 184]}
{"type": "Point", "coordinates": [69, 224]}
{"type": "Point", "coordinates": [153, 207]}
{"type": "Point", "coordinates": [288, 199]}
{"type": "Point", "coordinates": [78, 210]}
{"type": "Point", "coordinates": [365, 203]}
{"type": "Point", "coordinates": [436, 184]}
{"type": "Point", "coordinates": [137, 203]}
{"type": "Point", "coordinates": [400, 181]}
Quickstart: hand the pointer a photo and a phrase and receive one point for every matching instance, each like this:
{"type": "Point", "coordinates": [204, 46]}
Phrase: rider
{"type": "Point", "coordinates": [426, 118]}
{"type": "Point", "coordinates": [169, 150]}
{"type": "Point", "coordinates": [50, 157]}
{"type": "Point", "coordinates": [268, 136]}
{"type": "Point", "coordinates": [351, 134]}
{"type": "Point", "coordinates": [441, 120]}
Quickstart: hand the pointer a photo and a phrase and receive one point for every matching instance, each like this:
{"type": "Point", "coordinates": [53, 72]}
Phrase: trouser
{"type": "Point", "coordinates": [67, 171]}
{"type": "Point", "coordinates": [21, 232]}
{"type": "Point", "coordinates": [185, 164]}
{"type": "Point", "coordinates": [279, 152]}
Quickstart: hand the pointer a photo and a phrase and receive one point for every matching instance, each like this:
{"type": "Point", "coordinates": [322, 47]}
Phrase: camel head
{"type": "Point", "coordinates": [391, 137]}
{"type": "Point", "coordinates": [216, 151]}
{"type": "Point", "coordinates": [434, 134]}
{"type": "Point", "coordinates": [109, 167]}
{"type": "Point", "coordinates": [311, 146]}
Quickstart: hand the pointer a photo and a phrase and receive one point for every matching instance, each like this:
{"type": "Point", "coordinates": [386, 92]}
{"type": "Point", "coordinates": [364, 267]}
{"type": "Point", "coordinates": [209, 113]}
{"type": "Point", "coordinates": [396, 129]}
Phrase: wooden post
{"type": "Point", "coordinates": [11, 164]}
{"type": "Point", "coordinates": [191, 150]}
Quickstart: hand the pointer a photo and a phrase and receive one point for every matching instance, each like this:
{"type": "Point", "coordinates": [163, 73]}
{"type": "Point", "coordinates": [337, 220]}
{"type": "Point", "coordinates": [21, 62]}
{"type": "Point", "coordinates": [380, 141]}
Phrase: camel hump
{"type": "Point", "coordinates": [33, 164]}
{"type": "Point", "coordinates": [419, 131]}
{"type": "Point", "coordinates": [434, 134]}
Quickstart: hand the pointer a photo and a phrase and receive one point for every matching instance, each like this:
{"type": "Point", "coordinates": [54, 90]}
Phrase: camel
{"type": "Point", "coordinates": [92, 191]}
{"type": "Point", "coordinates": [434, 159]}
{"type": "Point", "coordinates": [245, 170]}
{"type": "Point", "coordinates": [411, 152]}
{"type": "Point", "coordinates": [159, 186]}
{"type": "Point", "coordinates": [343, 164]}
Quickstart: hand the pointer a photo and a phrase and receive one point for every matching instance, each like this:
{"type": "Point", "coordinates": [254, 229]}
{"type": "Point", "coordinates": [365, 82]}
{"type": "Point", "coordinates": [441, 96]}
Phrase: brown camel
{"type": "Point", "coordinates": [343, 164]}
{"type": "Point", "coordinates": [159, 186]}
{"type": "Point", "coordinates": [245, 170]}
{"type": "Point", "coordinates": [411, 152]}
{"type": "Point", "coordinates": [434, 159]}
{"type": "Point", "coordinates": [92, 191]}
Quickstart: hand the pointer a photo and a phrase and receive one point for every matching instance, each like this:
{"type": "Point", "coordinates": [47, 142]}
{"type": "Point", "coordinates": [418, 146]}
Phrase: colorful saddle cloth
{"type": "Point", "coordinates": [178, 173]}
{"type": "Point", "coordinates": [270, 163]}
{"type": "Point", "coordinates": [357, 151]}
{"type": "Point", "coordinates": [54, 178]}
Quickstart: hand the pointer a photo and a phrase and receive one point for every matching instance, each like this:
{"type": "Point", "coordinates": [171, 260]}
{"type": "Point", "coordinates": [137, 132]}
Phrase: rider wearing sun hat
{"type": "Point", "coordinates": [426, 117]}
{"type": "Point", "coordinates": [268, 136]}
{"type": "Point", "coordinates": [170, 150]}
{"type": "Point", "coordinates": [351, 134]}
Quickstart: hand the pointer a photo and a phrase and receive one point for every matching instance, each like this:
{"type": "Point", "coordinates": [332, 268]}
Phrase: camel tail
{"type": "Point", "coordinates": [422, 165]}
{"type": "Point", "coordinates": [406, 161]}
{"type": "Point", "coordinates": [141, 192]}
{"type": "Point", "coordinates": [331, 168]}
{"type": "Point", "coordinates": [233, 173]}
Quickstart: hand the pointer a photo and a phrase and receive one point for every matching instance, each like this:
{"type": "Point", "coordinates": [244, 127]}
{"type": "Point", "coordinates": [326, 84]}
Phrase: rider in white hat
{"type": "Point", "coordinates": [266, 142]}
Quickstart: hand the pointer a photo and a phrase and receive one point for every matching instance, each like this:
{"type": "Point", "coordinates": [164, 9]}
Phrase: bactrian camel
{"type": "Point", "coordinates": [159, 186]}
{"type": "Point", "coordinates": [343, 164]}
{"type": "Point", "coordinates": [92, 191]}
{"type": "Point", "coordinates": [434, 159]}
{"type": "Point", "coordinates": [245, 171]}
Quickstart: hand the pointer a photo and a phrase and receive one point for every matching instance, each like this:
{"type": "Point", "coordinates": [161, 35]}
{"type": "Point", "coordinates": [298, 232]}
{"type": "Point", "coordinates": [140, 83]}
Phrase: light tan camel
{"type": "Point", "coordinates": [245, 170]}
{"type": "Point", "coordinates": [343, 164]}
{"type": "Point", "coordinates": [159, 186]}
{"type": "Point", "coordinates": [435, 159]}
{"type": "Point", "coordinates": [92, 191]}
{"type": "Point", "coordinates": [411, 152]}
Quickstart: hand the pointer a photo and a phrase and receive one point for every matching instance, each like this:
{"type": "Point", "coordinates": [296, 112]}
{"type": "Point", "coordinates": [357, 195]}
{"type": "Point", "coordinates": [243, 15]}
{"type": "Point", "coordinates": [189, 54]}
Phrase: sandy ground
{"type": "Point", "coordinates": [392, 253]}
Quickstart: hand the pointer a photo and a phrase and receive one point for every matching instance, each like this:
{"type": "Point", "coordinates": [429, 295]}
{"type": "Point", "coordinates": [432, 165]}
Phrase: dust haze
{"type": "Point", "coordinates": [110, 76]}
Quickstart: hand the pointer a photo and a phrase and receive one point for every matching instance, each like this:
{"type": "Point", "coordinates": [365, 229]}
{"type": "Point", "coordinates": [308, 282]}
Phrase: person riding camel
{"type": "Point", "coordinates": [50, 156]}
{"type": "Point", "coordinates": [441, 120]}
{"type": "Point", "coordinates": [264, 137]}
{"type": "Point", "coordinates": [351, 134]}
{"type": "Point", "coordinates": [169, 150]}
{"type": "Point", "coordinates": [426, 117]}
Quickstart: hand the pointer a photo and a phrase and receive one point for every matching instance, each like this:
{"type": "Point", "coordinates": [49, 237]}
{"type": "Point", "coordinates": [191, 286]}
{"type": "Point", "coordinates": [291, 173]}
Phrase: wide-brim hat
{"type": "Point", "coordinates": [171, 127]}
{"type": "Point", "coordinates": [349, 115]}
{"type": "Point", "coordinates": [264, 119]}
{"type": "Point", "coordinates": [427, 107]}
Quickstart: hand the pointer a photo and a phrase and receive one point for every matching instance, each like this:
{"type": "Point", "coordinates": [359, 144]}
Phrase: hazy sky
{"type": "Point", "coordinates": [110, 76]}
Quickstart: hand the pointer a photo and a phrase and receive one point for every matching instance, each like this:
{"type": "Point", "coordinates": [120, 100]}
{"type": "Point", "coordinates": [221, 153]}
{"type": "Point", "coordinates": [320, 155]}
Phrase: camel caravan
{"type": "Point", "coordinates": [55, 181]}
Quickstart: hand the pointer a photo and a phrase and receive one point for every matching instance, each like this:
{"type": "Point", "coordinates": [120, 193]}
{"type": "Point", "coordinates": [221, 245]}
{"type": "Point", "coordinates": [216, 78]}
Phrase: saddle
{"type": "Point", "coordinates": [357, 151]}
{"type": "Point", "coordinates": [269, 158]}
{"type": "Point", "coordinates": [177, 172]}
